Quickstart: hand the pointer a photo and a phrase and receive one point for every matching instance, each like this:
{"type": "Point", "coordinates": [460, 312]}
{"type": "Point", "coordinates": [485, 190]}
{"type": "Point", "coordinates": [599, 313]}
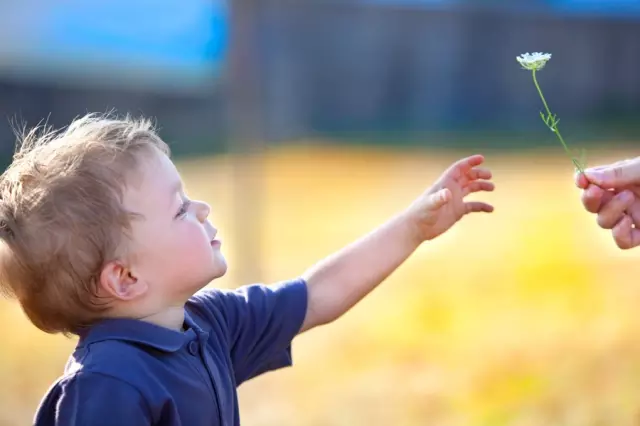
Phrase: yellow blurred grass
{"type": "Point", "coordinates": [524, 317]}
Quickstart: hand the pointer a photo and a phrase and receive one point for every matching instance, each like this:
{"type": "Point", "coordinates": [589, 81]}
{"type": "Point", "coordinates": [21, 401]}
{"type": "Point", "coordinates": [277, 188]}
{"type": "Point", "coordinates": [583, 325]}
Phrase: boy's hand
{"type": "Point", "coordinates": [443, 204]}
{"type": "Point", "coordinates": [344, 278]}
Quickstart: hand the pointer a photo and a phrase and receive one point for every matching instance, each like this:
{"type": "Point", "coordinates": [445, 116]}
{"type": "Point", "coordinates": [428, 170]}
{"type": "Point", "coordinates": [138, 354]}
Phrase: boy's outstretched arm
{"type": "Point", "coordinates": [340, 281]}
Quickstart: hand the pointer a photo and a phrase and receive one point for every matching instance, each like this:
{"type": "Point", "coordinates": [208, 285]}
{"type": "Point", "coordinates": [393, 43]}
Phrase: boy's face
{"type": "Point", "coordinates": [173, 249]}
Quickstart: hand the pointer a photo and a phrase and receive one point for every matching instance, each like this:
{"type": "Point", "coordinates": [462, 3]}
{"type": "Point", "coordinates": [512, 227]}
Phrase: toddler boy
{"type": "Point", "coordinates": [99, 240]}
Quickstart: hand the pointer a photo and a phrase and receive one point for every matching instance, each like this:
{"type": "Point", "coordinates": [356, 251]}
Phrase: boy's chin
{"type": "Point", "coordinates": [220, 270]}
{"type": "Point", "coordinates": [219, 267]}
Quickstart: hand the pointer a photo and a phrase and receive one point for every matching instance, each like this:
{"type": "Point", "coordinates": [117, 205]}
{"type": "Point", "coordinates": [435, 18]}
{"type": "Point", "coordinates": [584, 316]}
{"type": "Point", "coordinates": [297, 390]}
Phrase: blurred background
{"type": "Point", "coordinates": [306, 123]}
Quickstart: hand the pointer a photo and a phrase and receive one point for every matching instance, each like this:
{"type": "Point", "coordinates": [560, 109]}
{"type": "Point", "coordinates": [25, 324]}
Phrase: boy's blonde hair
{"type": "Point", "coordinates": [62, 217]}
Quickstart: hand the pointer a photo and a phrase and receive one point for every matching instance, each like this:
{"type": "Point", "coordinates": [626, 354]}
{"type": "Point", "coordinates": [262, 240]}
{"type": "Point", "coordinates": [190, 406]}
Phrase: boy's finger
{"type": "Point", "coordinates": [478, 206]}
{"type": "Point", "coordinates": [468, 163]}
{"type": "Point", "coordinates": [611, 212]}
{"type": "Point", "coordinates": [625, 235]}
{"type": "Point", "coordinates": [478, 185]}
{"type": "Point", "coordinates": [439, 199]}
{"type": "Point", "coordinates": [479, 173]}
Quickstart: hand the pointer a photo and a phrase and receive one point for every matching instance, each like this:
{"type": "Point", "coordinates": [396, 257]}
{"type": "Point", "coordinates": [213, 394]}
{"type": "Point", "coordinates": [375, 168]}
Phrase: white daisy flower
{"type": "Point", "coordinates": [533, 61]}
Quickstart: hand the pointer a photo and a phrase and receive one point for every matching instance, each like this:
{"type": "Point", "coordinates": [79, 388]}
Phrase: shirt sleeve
{"type": "Point", "coordinates": [259, 322]}
{"type": "Point", "coordinates": [91, 399]}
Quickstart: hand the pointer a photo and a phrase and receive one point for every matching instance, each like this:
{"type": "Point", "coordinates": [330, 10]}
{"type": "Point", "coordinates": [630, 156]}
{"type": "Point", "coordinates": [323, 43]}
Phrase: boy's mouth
{"type": "Point", "coordinates": [215, 242]}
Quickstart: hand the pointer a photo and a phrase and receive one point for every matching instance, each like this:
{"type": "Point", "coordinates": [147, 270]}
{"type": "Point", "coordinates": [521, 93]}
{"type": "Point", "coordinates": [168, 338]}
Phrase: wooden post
{"type": "Point", "coordinates": [246, 139]}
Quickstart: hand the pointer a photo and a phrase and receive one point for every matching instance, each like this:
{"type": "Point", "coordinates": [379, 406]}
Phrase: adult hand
{"type": "Point", "coordinates": [612, 192]}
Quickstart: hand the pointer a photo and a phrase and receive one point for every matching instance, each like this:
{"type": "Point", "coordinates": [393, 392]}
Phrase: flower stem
{"type": "Point", "coordinates": [552, 123]}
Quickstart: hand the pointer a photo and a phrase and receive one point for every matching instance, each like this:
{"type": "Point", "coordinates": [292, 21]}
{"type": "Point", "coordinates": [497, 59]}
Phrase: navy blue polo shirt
{"type": "Point", "coordinates": [127, 372]}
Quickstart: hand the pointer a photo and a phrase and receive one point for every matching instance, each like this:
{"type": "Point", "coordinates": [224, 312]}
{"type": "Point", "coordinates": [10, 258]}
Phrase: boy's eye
{"type": "Point", "coordinates": [184, 208]}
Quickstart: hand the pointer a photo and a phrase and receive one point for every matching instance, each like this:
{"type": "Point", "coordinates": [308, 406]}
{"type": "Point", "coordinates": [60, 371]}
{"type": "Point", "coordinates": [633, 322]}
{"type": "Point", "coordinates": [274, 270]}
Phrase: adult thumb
{"type": "Point", "coordinates": [615, 175]}
{"type": "Point", "coordinates": [438, 199]}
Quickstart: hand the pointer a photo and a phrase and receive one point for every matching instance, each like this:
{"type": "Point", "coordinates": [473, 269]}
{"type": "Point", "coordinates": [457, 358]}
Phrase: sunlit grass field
{"type": "Point", "coordinates": [529, 316]}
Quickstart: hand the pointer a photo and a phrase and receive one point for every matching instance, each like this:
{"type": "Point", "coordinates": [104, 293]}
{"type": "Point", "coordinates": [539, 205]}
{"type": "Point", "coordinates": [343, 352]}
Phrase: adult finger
{"type": "Point", "coordinates": [581, 181]}
{"type": "Point", "coordinates": [625, 235]}
{"type": "Point", "coordinates": [594, 197]}
{"type": "Point", "coordinates": [611, 212]}
{"type": "Point", "coordinates": [616, 175]}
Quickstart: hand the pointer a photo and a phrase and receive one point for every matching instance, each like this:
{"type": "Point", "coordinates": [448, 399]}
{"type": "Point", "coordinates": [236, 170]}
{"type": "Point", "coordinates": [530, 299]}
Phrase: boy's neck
{"type": "Point", "coordinates": [172, 318]}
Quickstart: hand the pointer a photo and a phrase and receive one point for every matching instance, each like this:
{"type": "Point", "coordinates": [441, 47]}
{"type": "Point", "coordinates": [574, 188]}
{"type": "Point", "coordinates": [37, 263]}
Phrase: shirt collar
{"type": "Point", "coordinates": [141, 332]}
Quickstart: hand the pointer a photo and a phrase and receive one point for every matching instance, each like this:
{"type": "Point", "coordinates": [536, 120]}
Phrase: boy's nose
{"type": "Point", "coordinates": [202, 211]}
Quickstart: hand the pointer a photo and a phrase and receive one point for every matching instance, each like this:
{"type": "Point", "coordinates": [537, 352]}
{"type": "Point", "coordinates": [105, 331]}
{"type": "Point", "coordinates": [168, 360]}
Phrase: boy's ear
{"type": "Point", "coordinates": [119, 282]}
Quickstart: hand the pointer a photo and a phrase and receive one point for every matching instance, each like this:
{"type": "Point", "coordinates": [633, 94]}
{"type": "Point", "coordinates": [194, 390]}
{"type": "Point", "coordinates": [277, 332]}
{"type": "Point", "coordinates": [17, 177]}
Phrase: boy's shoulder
{"type": "Point", "coordinates": [109, 366]}
{"type": "Point", "coordinates": [219, 310]}
{"type": "Point", "coordinates": [223, 299]}
{"type": "Point", "coordinates": [141, 365]}
{"type": "Point", "coordinates": [126, 350]}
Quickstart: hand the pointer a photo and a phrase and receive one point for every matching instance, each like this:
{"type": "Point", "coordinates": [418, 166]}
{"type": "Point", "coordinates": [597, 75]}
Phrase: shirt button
{"type": "Point", "coordinates": [193, 348]}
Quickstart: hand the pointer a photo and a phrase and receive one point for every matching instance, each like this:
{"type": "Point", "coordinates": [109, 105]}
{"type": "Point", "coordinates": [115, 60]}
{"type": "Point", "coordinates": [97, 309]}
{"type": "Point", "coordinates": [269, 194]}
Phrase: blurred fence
{"type": "Point", "coordinates": [325, 67]}
{"type": "Point", "coordinates": [333, 67]}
